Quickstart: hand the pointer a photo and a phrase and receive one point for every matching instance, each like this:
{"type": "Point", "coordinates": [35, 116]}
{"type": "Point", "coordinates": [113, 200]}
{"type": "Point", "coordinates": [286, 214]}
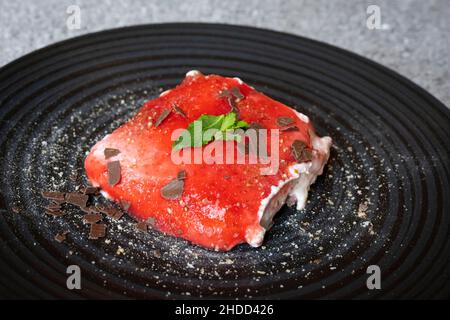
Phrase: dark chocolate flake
{"type": "Point", "coordinates": [60, 202]}
{"type": "Point", "coordinates": [284, 121]}
{"type": "Point", "coordinates": [98, 230]}
{"type": "Point", "coordinates": [100, 207]}
{"type": "Point", "coordinates": [119, 214]}
{"type": "Point", "coordinates": [289, 128]}
{"type": "Point", "coordinates": [110, 152]}
{"type": "Point", "coordinates": [60, 237]}
{"type": "Point", "coordinates": [53, 206]}
{"type": "Point", "coordinates": [307, 155]}
{"type": "Point", "coordinates": [237, 93]}
{"type": "Point", "coordinates": [93, 209]}
{"type": "Point", "coordinates": [125, 205]}
{"type": "Point", "coordinates": [142, 226]}
{"type": "Point", "coordinates": [178, 110]}
{"type": "Point", "coordinates": [234, 107]}
{"type": "Point", "coordinates": [181, 175]}
{"type": "Point", "coordinates": [162, 116]}
{"type": "Point", "coordinates": [231, 101]}
{"type": "Point", "coordinates": [89, 190]}
{"type": "Point", "coordinates": [173, 190]}
{"type": "Point", "coordinates": [225, 94]}
{"type": "Point", "coordinates": [112, 212]}
{"type": "Point", "coordinates": [51, 195]}
{"type": "Point", "coordinates": [300, 152]}
{"type": "Point", "coordinates": [77, 199]}
{"type": "Point", "coordinates": [297, 149]}
{"type": "Point", "coordinates": [85, 209]}
{"type": "Point", "coordinates": [92, 218]}
{"type": "Point", "coordinates": [113, 172]}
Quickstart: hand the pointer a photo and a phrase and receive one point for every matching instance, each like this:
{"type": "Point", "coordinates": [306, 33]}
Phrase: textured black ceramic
{"type": "Point", "coordinates": [383, 200]}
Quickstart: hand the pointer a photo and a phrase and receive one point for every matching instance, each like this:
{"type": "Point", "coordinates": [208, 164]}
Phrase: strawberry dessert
{"type": "Point", "coordinates": [186, 162]}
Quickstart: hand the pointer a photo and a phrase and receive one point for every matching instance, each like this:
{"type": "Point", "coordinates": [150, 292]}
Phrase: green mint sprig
{"type": "Point", "coordinates": [209, 128]}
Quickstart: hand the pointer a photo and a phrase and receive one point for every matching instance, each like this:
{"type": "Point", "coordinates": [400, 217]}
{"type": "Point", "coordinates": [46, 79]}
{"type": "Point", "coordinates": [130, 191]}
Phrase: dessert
{"type": "Point", "coordinates": [217, 189]}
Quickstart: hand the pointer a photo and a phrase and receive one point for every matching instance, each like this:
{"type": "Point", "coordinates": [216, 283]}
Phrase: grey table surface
{"type": "Point", "coordinates": [414, 38]}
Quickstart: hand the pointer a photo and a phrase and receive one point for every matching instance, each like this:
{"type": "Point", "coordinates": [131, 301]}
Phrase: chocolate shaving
{"type": "Point", "coordinates": [112, 212]}
{"type": "Point", "coordinates": [60, 202]}
{"type": "Point", "coordinates": [98, 230]}
{"type": "Point", "coordinates": [92, 218]}
{"type": "Point", "coordinates": [113, 172]}
{"type": "Point", "coordinates": [225, 94]}
{"type": "Point", "coordinates": [284, 121]}
{"type": "Point", "coordinates": [117, 215]}
{"type": "Point", "coordinates": [60, 196]}
{"type": "Point", "coordinates": [289, 128]}
{"type": "Point", "coordinates": [110, 152]}
{"type": "Point", "coordinates": [179, 111]}
{"type": "Point", "coordinates": [142, 226]}
{"type": "Point", "coordinates": [181, 175]}
{"type": "Point", "coordinates": [77, 199]}
{"type": "Point", "coordinates": [307, 154]}
{"type": "Point", "coordinates": [162, 116]}
{"type": "Point", "coordinates": [300, 152]}
{"type": "Point", "coordinates": [297, 149]}
{"type": "Point", "coordinates": [89, 190]}
{"type": "Point", "coordinates": [232, 93]}
{"type": "Point", "coordinates": [53, 207]}
{"type": "Point", "coordinates": [125, 205]}
{"type": "Point", "coordinates": [173, 190]}
{"type": "Point", "coordinates": [93, 209]}
{"type": "Point", "coordinates": [231, 96]}
{"type": "Point", "coordinates": [234, 107]}
{"type": "Point", "coordinates": [237, 93]}
{"type": "Point", "coordinates": [60, 237]}
{"type": "Point", "coordinates": [85, 209]}
{"type": "Point", "coordinates": [101, 208]}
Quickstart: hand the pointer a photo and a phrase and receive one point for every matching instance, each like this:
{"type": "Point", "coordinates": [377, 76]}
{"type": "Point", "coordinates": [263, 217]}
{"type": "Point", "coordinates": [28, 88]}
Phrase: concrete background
{"type": "Point", "coordinates": [414, 39]}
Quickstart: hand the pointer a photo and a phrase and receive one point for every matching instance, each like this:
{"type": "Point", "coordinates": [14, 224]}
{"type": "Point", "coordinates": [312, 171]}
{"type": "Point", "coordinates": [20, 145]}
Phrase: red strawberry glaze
{"type": "Point", "coordinates": [221, 204]}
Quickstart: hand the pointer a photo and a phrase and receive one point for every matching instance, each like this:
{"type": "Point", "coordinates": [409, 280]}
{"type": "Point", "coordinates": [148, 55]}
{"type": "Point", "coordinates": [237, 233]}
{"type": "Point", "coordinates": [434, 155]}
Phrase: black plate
{"type": "Point", "coordinates": [384, 199]}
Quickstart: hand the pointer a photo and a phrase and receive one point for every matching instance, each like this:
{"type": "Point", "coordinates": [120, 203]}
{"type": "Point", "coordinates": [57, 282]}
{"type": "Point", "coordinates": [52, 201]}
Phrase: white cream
{"type": "Point", "coordinates": [238, 80]}
{"type": "Point", "coordinates": [193, 73]}
{"type": "Point", "coordinates": [302, 175]}
{"type": "Point", "coordinates": [162, 94]}
{"type": "Point", "coordinates": [302, 116]}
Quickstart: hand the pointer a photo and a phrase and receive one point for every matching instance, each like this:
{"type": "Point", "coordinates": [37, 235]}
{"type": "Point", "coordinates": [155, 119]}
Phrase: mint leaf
{"type": "Point", "coordinates": [211, 122]}
{"type": "Point", "coordinates": [240, 124]}
{"type": "Point", "coordinates": [207, 128]}
{"type": "Point", "coordinates": [228, 121]}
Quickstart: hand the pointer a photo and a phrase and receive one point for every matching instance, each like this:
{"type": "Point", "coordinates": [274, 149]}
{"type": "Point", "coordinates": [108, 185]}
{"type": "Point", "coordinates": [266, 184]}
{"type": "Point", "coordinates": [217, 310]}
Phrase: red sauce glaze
{"type": "Point", "coordinates": [219, 206]}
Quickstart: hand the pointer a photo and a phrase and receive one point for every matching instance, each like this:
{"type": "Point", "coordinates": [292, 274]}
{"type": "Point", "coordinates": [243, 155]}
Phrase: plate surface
{"type": "Point", "coordinates": [383, 200]}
